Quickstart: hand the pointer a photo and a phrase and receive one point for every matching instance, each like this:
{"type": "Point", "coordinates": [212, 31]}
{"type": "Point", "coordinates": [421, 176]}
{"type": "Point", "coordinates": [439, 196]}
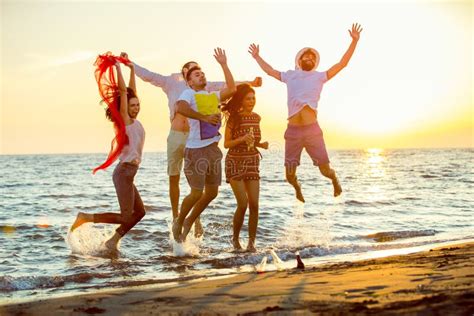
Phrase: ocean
{"type": "Point", "coordinates": [393, 201]}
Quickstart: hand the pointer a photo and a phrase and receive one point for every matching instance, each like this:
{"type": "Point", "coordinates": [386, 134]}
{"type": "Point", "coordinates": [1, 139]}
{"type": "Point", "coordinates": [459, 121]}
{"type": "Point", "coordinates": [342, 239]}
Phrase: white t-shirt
{"type": "Point", "coordinates": [173, 85]}
{"type": "Point", "coordinates": [136, 140]}
{"type": "Point", "coordinates": [202, 134]}
{"type": "Point", "coordinates": [304, 87]}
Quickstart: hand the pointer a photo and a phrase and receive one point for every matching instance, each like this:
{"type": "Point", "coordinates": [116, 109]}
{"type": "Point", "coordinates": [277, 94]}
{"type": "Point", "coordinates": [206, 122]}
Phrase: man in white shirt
{"type": "Point", "coordinates": [173, 85]}
{"type": "Point", "coordinates": [202, 155]}
{"type": "Point", "coordinates": [304, 86]}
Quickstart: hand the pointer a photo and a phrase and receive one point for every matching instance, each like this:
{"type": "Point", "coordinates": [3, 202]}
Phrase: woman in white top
{"type": "Point", "coordinates": [132, 209]}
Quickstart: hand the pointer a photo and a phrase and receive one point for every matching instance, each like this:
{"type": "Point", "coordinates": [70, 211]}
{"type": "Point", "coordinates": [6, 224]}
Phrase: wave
{"type": "Point", "coordinates": [429, 176]}
{"type": "Point", "coordinates": [374, 203]}
{"type": "Point", "coordinates": [10, 283]}
{"type": "Point", "coordinates": [63, 196]}
{"type": "Point", "coordinates": [393, 235]}
{"type": "Point", "coordinates": [235, 260]}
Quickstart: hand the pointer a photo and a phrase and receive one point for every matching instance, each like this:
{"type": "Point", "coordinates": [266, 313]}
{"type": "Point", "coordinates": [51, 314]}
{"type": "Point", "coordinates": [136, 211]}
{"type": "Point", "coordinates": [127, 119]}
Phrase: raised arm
{"type": "Point", "coordinates": [219, 85]}
{"type": "Point", "coordinates": [131, 83]}
{"type": "Point", "coordinates": [230, 88]}
{"type": "Point", "coordinates": [123, 96]}
{"type": "Point", "coordinates": [254, 50]}
{"type": "Point", "coordinates": [355, 34]}
{"type": "Point", "coordinates": [185, 109]}
{"type": "Point", "coordinates": [152, 77]}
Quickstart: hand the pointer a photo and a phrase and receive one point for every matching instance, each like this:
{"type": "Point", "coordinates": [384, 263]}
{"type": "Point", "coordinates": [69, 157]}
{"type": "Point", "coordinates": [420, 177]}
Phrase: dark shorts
{"type": "Point", "coordinates": [309, 137]}
{"type": "Point", "coordinates": [202, 166]}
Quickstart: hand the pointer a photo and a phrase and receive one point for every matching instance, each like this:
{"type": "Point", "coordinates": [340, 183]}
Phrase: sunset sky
{"type": "Point", "coordinates": [408, 84]}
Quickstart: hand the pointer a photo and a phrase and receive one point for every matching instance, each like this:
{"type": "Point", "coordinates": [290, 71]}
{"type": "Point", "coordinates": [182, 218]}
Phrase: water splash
{"type": "Point", "coordinates": [190, 247]}
{"type": "Point", "coordinates": [301, 232]}
{"type": "Point", "coordinates": [89, 239]}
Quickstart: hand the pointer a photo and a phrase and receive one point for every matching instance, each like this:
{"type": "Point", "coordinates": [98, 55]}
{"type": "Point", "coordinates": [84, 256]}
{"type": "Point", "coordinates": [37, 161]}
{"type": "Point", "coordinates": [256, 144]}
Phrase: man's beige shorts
{"type": "Point", "coordinates": [175, 151]}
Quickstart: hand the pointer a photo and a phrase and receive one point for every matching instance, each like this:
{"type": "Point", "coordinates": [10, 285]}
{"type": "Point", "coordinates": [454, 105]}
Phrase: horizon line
{"type": "Point", "coordinates": [164, 151]}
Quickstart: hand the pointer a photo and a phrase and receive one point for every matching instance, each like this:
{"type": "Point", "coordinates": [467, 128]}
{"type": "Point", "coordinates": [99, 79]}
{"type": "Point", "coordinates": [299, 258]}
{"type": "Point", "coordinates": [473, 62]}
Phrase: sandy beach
{"type": "Point", "coordinates": [435, 282]}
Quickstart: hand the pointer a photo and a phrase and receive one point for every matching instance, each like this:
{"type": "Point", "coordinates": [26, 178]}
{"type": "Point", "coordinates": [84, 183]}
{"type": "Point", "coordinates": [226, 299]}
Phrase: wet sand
{"type": "Point", "coordinates": [435, 282]}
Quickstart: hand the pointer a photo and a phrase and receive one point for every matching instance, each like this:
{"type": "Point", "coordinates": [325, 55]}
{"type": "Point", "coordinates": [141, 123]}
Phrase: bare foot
{"type": "Point", "coordinates": [112, 243]}
{"type": "Point", "coordinates": [337, 187]}
{"type": "Point", "coordinates": [251, 248]}
{"type": "Point", "coordinates": [80, 219]}
{"type": "Point", "coordinates": [176, 229]}
{"type": "Point", "coordinates": [236, 244]}
{"type": "Point", "coordinates": [299, 194]}
{"type": "Point", "coordinates": [198, 230]}
{"type": "Point", "coordinates": [186, 228]}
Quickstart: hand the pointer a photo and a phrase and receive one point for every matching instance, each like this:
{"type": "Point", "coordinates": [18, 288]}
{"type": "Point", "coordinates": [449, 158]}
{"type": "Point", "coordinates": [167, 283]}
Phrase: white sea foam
{"type": "Point", "coordinates": [89, 239]}
{"type": "Point", "coordinates": [299, 232]}
{"type": "Point", "coordinates": [190, 247]}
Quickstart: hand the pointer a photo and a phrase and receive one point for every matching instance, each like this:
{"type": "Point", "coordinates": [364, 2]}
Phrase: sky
{"type": "Point", "coordinates": [408, 84]}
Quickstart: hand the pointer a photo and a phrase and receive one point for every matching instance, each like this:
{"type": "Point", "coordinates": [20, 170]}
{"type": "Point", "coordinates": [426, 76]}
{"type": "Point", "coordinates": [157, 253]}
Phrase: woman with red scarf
{"type": "Point", "coordinates": [123, 107]}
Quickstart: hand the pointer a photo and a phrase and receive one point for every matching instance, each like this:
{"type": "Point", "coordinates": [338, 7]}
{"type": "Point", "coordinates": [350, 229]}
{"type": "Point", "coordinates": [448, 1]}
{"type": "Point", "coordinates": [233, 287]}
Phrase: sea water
{"type": "Point", "coordinates": [391, 200]}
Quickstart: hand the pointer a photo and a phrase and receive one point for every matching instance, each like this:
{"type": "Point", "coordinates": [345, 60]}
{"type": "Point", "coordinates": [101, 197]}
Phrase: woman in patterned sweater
{"type": "Point", "coordinates": [242, 137]}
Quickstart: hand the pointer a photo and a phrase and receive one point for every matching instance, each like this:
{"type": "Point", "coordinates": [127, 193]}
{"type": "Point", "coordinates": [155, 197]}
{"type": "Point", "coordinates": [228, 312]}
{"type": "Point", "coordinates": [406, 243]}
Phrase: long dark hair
{"type": "Point", "coordinates": [232, 108]}
{"type": "Point", "coordinates": [130, 94]}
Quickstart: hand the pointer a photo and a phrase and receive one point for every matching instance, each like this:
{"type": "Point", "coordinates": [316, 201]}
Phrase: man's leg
{"type": "Point", "coordinates": [326, 171]}
{"type": "Point", "coordinates": [210, 193]}
{"type": "Point", "coordinates": [188, 203]}
{"type": "Point", "coordinates": [196, 179]}
{"type": "Point", "coordinates": [290, 172]}
{"type": "Point", "coordinates": [174, 198]}
{"type": "Point", "coordinates": [238, 187]}
{"type": "Point", "coordinates": [174, 195]}
{"type": "Point", "coordinates": [316, 148]}
{"type": "Point", "coordinates": [176, 143]}
{"type": "Point", "coordinates": [293, 149]}
{"type": "Point", "coordinates": [208, 174]}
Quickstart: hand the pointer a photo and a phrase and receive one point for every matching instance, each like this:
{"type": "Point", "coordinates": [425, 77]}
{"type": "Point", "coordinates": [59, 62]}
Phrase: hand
{"type": "Point", "coordinates": [219, 55]}
{"type": "Point", "coordinates": [257, 82]}
{"type": "Point", "coordinates": [355, 32]}
{"type": "Point", "coordinates": [125, 56]}
{"type": "Point", "coordinates": [264, 145]}
{"type": "Point", "coordinates": [247, 138]}
{"type": "Point", "coordinates": [254, 50]}
{"type": "Point", "coordinates": [213, 119]}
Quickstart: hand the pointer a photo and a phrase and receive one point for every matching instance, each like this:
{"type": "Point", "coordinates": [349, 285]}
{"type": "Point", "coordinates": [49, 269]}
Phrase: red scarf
{"type": "Point", "coordinates": [109, 92]}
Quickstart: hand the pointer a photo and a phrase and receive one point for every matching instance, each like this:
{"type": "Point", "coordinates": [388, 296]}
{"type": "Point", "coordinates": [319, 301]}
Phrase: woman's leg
{"type": "Point", "coordinates": [253, 192]}
{"type": "Point", "coordinates": [123, 181]}
{"type": "Point", "coordinates": [132, 209]}
{"type": "Point", "coordinates": [242, 201]}
{"type": "Point", "coordinates": [137, 214]}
